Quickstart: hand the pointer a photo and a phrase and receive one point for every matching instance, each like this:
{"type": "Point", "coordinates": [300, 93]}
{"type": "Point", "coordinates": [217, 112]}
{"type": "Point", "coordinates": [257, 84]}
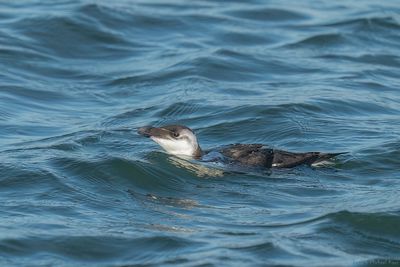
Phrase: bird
{"type": "Point", "coordinates": [181, 141]}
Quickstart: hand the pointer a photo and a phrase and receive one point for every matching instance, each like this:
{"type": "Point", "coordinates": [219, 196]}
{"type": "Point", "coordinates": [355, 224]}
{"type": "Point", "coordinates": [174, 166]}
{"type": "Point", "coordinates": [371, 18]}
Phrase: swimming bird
{"type": "Point", "coordinates": [181, 141]}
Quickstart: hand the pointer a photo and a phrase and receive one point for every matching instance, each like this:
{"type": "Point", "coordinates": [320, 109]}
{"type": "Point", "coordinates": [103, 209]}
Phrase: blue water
{"type": "Point", "coordinates": [79, 186]}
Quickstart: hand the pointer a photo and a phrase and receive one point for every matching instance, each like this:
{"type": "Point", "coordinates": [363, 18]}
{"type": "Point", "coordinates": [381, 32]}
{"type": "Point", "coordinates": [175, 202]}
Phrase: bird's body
{"type": "Point", "coordinates": [180, 140]}
{"type": "Point", "coordinates": [260, 156]}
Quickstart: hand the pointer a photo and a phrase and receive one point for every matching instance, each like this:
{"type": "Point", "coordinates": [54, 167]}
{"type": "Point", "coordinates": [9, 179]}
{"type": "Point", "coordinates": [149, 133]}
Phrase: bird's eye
{"type": "Point", "coordinates": [176, 134]}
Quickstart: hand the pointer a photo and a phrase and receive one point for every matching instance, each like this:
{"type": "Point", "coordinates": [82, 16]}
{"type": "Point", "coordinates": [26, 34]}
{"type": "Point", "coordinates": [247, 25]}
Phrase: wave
{"type": "Point", "coordinates": [107, 249]}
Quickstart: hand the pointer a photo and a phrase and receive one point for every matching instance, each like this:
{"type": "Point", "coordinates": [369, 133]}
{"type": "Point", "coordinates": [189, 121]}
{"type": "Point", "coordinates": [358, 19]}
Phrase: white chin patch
{"type": "Point", "coordinates": [175, 147]}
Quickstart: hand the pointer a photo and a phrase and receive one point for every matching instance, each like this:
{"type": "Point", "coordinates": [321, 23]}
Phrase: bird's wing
{"type": "Point", "coordinates": [284, 159]}
{"type": "Point", "coordinates": [256, 155]}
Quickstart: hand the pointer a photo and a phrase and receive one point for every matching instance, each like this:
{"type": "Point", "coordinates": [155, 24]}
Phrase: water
{"type": "Point", "coordinates": [78, 185]}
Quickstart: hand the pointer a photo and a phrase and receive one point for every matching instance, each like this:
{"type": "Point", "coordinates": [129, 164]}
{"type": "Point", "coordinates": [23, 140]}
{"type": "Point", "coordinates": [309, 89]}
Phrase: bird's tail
{"type": "Point", "coordinates": [326, 158]}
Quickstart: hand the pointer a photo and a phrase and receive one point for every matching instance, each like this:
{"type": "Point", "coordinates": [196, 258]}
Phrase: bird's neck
{"type": "Point", "coordinates": [198, 153]}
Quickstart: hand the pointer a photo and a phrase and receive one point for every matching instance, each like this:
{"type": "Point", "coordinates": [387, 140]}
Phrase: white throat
{"type": "Point", "coordinates": [186, 145]}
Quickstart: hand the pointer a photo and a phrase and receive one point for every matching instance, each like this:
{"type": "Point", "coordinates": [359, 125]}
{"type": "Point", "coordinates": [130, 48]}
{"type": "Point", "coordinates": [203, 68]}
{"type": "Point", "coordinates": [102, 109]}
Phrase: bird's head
{"type": "Point", "coordinates": [175, 139]}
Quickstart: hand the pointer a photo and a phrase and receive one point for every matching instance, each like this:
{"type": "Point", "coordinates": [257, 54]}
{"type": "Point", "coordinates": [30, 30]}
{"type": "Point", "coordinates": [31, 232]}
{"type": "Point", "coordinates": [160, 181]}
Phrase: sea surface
{"type": "Point", "coordinates": [80, 187]}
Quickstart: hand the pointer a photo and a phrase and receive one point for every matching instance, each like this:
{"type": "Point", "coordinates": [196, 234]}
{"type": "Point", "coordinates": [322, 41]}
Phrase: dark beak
{"type": "Point", "coordinates": [148, 131]}
{"type": "Point", "coordinates": [145, 131]}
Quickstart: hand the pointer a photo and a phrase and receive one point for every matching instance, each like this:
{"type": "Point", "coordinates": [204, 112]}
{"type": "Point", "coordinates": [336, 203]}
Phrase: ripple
{"type": "Point", "coordinates": [381, 156]}
{"type": "Point", "coordinates": [376, 59]}
{"type": "Point", "coordinates": [178, 110]}
{"type": "Point", "coordinates": [245, 39]}
{"type": "Point", "coordinates": [267, 251]}
{"type": "Point", "coordinates": [105, 248]}
{"type": "Point", "coordinates": [269, 15]}
{"type": "Point", "coordinates": [34, 94]}
{"type": "Point", "coordinates": [367, 23]}
{"type": "Point", "coordinates": [356, 107]}
{"type": "Point", "coordinates": [129, 18]}
{"type": "Point", "coordinates": [75, 31]}
{"type": "Point", "coordinates": [354, 229]}
{"type": "Point", "coordinates": [323, 40]}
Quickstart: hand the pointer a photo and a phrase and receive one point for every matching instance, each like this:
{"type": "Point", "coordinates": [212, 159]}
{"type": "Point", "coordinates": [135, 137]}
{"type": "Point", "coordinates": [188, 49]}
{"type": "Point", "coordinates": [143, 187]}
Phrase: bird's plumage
{"type": "Point", "coordinates": [181, 140]}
